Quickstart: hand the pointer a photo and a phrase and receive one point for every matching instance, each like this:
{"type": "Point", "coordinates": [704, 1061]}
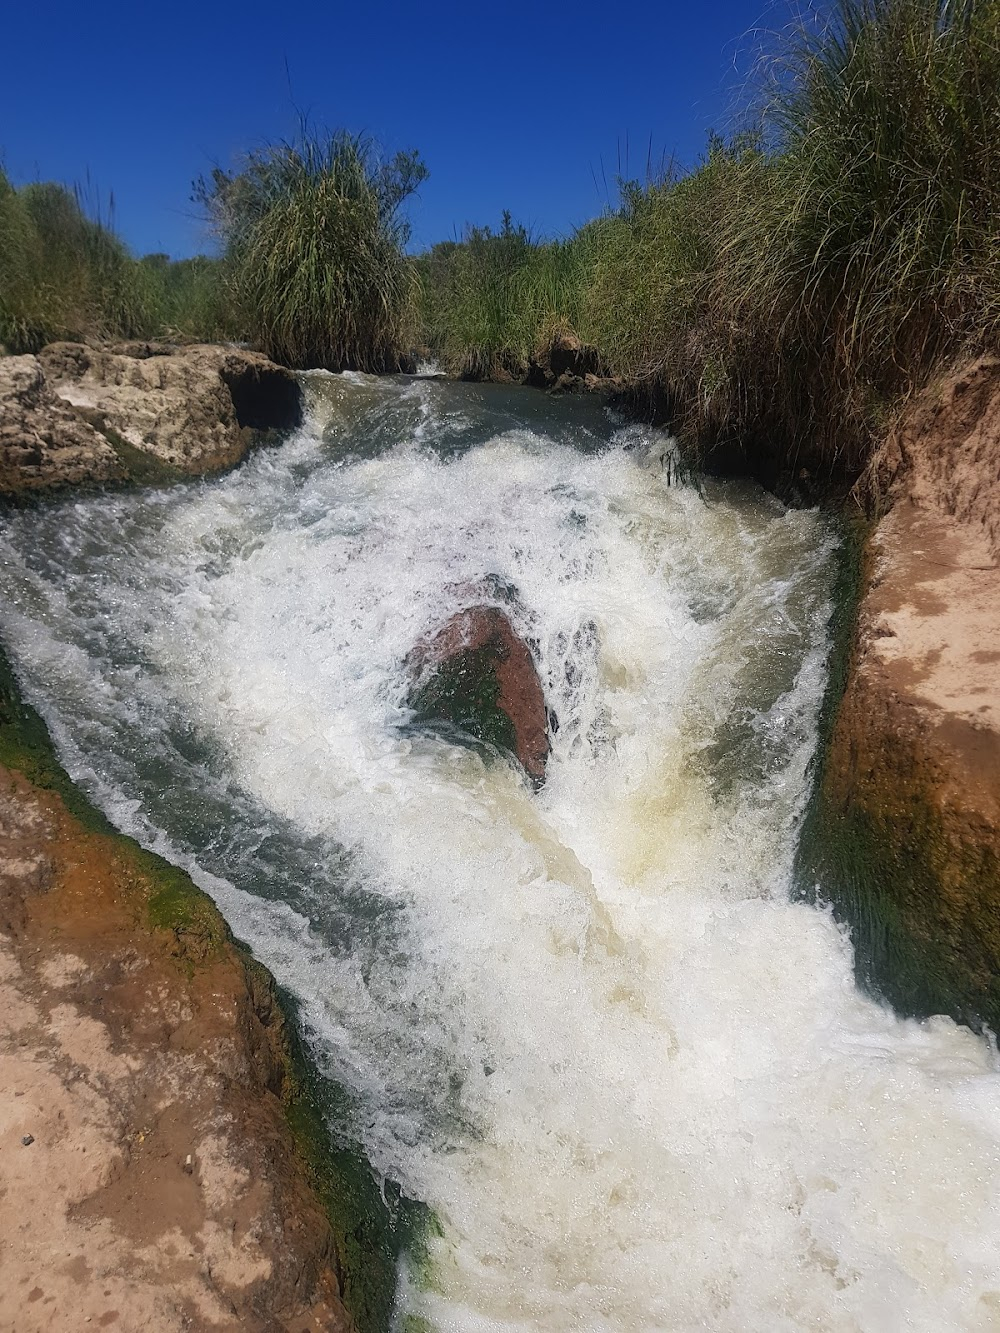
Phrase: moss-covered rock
{"type": "Point", "coordinates": [476, 674]}
{"type": "Point", "coordinates": [903, 836]}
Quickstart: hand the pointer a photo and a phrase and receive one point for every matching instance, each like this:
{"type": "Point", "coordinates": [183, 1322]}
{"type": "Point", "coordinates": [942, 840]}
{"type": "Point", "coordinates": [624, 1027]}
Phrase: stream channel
{"type": "Point", "coordinates": [592, 1028]}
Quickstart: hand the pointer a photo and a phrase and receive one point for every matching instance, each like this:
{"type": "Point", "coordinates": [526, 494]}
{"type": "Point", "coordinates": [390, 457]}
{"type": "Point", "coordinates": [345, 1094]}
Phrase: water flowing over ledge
{"type": "Point", "coordinates": [589, 1028]}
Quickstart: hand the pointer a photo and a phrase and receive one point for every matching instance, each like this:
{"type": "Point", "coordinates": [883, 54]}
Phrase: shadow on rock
{"type": "Point", "coordinates": [476, 673]}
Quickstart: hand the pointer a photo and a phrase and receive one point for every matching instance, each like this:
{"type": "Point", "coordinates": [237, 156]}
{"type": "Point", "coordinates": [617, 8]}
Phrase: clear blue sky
{"type": "Point", "coordinates": [511, 106]}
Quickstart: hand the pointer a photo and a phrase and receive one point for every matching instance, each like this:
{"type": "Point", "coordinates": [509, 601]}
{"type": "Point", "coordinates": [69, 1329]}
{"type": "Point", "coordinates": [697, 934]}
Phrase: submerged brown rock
{"type": "Point", "coordinates": [477, 672]}
{"type": "Point", "coordinates": [909, 841]}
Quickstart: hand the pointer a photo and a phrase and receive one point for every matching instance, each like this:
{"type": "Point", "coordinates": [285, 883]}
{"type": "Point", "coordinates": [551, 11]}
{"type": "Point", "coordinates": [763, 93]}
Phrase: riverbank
{"type": "Point", "coordinates": [905, 836]}
{"type": "Point", "coordinates": [151, 1177]}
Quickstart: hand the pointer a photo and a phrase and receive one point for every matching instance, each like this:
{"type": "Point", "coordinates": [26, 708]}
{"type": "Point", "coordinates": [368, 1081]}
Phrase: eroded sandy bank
{"type": "Point", "coordinates": [908, 831]}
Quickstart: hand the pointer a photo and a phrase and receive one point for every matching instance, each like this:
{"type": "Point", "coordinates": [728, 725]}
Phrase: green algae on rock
{"type": "Point", "coordinates": [365, 1233]}
{"type": "Point", "coordinates": [478, 675]}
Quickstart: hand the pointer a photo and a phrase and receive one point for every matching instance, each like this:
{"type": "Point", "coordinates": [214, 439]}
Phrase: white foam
{"type": "Point", "coordinates": [635, 1082]}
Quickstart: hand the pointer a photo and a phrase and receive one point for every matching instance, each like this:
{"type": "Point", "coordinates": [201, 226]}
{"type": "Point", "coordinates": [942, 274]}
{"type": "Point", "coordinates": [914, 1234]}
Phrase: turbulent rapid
{"type": "Point", "coordinates": [589, 1027]}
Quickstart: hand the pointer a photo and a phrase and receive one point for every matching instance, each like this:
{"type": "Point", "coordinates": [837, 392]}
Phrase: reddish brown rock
{"type": "Point", "coordinates": [909, 841]}
{"type": "Point", "coordinates": [476, 672]}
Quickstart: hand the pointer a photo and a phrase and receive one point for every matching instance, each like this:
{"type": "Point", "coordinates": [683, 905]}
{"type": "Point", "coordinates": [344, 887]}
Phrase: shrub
{"type": "Point", "coordinates": [64, 274]}
{"type": "Point", "coordinates": [314, 238]}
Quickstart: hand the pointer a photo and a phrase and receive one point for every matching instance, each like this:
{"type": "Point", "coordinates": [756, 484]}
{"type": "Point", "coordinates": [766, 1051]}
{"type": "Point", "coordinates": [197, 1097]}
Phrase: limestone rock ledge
{"type": "Point", "coordinates": [78, 414]}
{"type": "Point", "coordinates": [906, 841]}
{"type": "Point", "coordinates": [43, 441]}
{"type": "Point", "coordinates": [149, 1178]}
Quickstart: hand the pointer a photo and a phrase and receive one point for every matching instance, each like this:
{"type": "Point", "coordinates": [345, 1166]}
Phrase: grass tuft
{"type": "Point", "coordinates": [490, 301]}
{"type": "Point", "coordinates": [314, 237]}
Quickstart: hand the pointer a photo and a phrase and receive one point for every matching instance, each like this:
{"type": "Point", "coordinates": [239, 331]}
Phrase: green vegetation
{"type": "Point", "coordinates": [314, 237]}
{"type": "Point", "coordinates": [777, 300]}
{"type": "Point", "coordinates": [62, 273]}
{"type": "Point", "coordinates": [783, 295]}
{"type": "Point", "coordinates": [176, 904]}
{"type": "Point", "coordinates": [489, 302]}
{"type": "Point", "coordinates": [190, 299]}
{"type": "Point", "coordinates": [864, 245]}
{"type": "Point", "coordinates": [65, 274]}
{"type": "Point", "coordinates": [313, 271]}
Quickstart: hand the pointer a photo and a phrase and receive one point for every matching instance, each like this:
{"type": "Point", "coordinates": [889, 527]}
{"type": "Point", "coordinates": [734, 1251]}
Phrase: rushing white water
{"type": "Point", "coordinates": [589, 1027]}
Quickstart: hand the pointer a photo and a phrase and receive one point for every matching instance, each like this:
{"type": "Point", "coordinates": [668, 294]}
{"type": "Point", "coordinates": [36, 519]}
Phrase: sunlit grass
{"type": "Point", "coordinates": [64, 274]}
{"type": "Point", "coordinates": [492, 300]}
{"type": "Point", "coordinates": [314, 239]}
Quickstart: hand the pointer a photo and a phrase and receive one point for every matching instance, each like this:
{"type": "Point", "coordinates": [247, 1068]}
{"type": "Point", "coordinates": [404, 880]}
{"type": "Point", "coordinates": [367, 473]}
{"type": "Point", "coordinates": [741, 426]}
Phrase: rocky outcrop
{"type": "Point", "coordinates": [567, 365]}
{"type": "Point", "coordinates": [476, 673]}
{"type": "Point", "coordinates": [907, 835]}
{"type": "Point", "coordinates": [148, 1174]}
{"type": "Point", "coordinates": [139, 411]}
{"type": "Point", "coordinates": [44, 442]}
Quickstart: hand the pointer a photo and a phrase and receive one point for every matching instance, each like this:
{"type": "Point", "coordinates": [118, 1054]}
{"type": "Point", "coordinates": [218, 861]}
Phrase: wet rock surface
{"type": "Point", "coordinates": [478, 674]}
{"type": "Point", "coordinates": [148, 1176]}
{"type": "Point", "coordinates": [141, 411]}
{"type": "Point", "coordinates": [909, 809]}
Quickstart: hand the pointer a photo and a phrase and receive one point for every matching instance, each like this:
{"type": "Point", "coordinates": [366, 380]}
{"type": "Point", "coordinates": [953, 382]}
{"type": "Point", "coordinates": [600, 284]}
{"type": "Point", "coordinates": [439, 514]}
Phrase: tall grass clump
{"type": "Point", "coordinates": [19, 316]}
{"type": "Point", "coordinates": [314, 238]}
{"type": "Point", "coordinates": [784, 294]}
{"type": "Point", "coordinates": [491, 300]}
{"type": "Point", "coordinates": [651, 302]}
{"type": "Point", "coordinates": [64, 273]}
{"type": "Point", "coordinates": [868, 247]}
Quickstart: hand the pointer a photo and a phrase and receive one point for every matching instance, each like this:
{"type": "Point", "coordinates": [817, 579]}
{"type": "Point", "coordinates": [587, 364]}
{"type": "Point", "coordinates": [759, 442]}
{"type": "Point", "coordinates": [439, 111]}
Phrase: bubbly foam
{"type": "Point", "coordinates": [633, 1079]}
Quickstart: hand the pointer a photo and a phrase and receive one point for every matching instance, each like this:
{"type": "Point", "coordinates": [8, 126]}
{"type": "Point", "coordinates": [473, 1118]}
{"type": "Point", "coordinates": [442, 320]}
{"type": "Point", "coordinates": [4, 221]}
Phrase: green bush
{"type": "Point", "coordinates": [491, 300]}
{"type": "Point", "coordinates": [191, 298]}
{"type": "Point", "coordinates": [64, 274]}
{"type": "Point", "coordinates": [314, 238]}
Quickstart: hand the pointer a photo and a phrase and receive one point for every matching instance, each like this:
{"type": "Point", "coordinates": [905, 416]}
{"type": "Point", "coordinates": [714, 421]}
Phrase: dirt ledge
{"type": "Point", "coordinates": [149, 1177]}
{"type": "Point", "coordinates": [905, 835]}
